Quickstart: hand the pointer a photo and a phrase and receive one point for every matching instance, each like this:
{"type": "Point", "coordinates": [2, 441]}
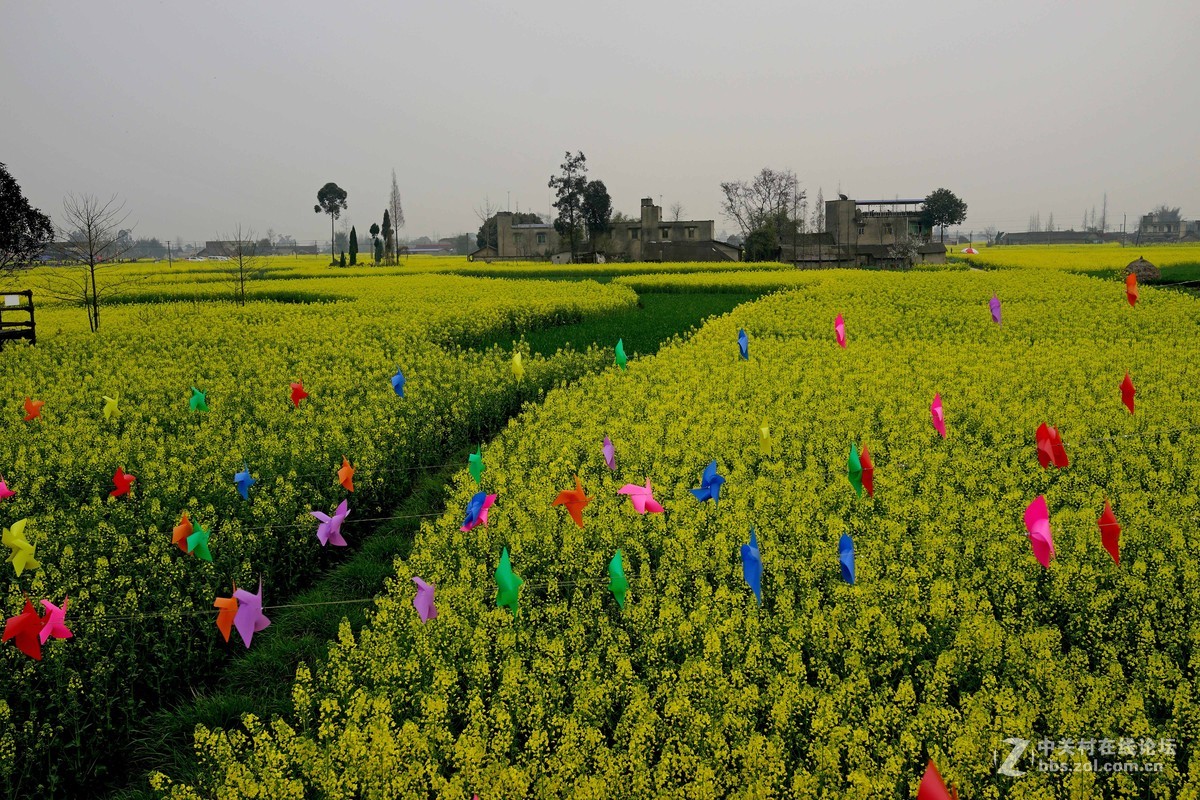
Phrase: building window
{"type": "Point", "coordinates": [887, 229]}
{"type": "Point", "coordinates": [691, 231]}
{"type": "Point", "coordinates": [541, 238]}
{"type": "Point", "coordinates": [664, 233]}
{"type": "Point", "coordinates": [862, 229]}
{"type": "Point", "coordinates": [634, 233]}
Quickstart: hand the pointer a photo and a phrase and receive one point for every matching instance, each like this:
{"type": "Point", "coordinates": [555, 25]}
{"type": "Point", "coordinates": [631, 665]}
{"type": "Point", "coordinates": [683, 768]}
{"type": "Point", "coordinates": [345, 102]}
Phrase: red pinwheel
{"type": "Point", "coordinates": [298, 393]}
{"type": "Point", "coordinates": [1110, 533]}
{"type": "Point", "coordinates": [25, 631]}
{"type": "Point", "coordinates": [1050, 448]}
{"type": "Point", "coordinates": [1127, 392]}
{"type": "Point", "coordinates": [123, 481]}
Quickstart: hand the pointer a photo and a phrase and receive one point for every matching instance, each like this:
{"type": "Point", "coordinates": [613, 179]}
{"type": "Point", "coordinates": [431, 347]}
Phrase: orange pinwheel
{"type": "Point", "coordinates": [574, 500]}
{"type": "Point", "coordinates": [182, 531]}
{"type": "Point", "coordinates": [346, 475]}
{"type": "Point", "coordinates": [33, 409]}
{"type": "Point", "coordinates": [1131, 289]}
{"type": "Point", "coordinates": [229, 608]}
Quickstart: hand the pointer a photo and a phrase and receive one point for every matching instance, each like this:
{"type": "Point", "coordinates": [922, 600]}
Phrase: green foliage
{"type": "Point", "coordinates": [353, 247]}
{"type": "Point", "coordinates": [941, 208]}
{"type": "Point", "coordinates": [342, 259]}
{"type": "Point", "coordinates": [569, 186]}
{"type": "Point", "coordinates": [331, 200]}
{"type": "Point", "coordinates": [953, 639]}
{"type": "Point", "coordinates": [762, 244]}
{"type": "Point", "coordinates": [596, 208]}
{"type": "Point", "coordinates": [24, 230]}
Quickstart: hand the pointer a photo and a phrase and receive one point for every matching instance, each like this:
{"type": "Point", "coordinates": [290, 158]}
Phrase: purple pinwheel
{"type": "Point", "coordinates": [330, 529]}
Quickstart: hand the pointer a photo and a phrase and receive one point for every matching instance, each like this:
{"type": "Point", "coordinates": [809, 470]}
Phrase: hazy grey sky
{"type": "Point", "coordinates": [202, 115]}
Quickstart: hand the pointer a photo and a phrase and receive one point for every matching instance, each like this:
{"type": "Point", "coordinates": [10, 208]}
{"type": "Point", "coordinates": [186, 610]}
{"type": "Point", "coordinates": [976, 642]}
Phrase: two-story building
{"type": "Point", "coordinates": [648, 238]}
{"type": "Point", "coordinates": [862, 233]}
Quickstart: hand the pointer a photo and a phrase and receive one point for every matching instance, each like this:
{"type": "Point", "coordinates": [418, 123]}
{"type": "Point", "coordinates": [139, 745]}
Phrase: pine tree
{"type": "Point", "coordinates": [389, 240]}
{"type": "Point", "coordinates": [353, 246]}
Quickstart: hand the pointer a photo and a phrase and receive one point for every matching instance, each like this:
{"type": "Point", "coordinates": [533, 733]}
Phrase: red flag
{"type": "Point", "coordinates": [932, 787]}
{"type": "Point", "coordinates": [1110, 533]}
{"type": "Point", "coordinates": [1127, 392]}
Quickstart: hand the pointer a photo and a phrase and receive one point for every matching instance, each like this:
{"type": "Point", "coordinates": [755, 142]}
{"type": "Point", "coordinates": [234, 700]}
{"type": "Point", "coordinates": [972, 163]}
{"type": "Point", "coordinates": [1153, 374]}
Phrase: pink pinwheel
{"type": "Point", "coordinates": [839, 328]}
{"type": "Point", "coordinates": [5, 492]}
{"type": "Point", "coordinates": [477, 511]}
{"type": "Point", "coordinates": [1037, 522]}
{"type": "Point", "coordinates": [423, 602]}
{"type": "Point", "coordinates": [610, 454]}
{"type": "Point", "coordinates": [249, 619]}
{"type": "Point", "coordinates": [330, 529]}
{"type": "Point", "coordinates": [994, 304]}
{"type": "Point", "coordinates": [641, 497]}
{"type": "Point", "coordinates": [939, 416]}
{"type": "Point", "coordinates": [56, 622]}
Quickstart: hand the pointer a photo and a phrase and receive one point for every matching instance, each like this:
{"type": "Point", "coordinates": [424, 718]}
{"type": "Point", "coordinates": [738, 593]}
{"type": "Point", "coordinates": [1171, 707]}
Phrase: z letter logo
{"type": "Point", "coordinates": [1009, 767]}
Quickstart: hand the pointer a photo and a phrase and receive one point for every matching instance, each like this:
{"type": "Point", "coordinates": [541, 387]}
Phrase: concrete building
{"type": "Point", "coordinates": [1156, 227]}
{"type": "Point", "coordinates": [648, 238]}
{"type": "Point", "coordinates": [862, 233]}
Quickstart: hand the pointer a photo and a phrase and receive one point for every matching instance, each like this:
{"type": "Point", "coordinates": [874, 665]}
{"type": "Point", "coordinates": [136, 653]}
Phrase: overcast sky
{"type": "Point", "coordinates": [208, 114]}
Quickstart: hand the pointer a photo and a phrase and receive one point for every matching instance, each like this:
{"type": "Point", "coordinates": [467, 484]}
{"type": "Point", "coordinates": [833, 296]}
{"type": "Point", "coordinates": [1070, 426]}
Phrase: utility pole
{"type": "Point", "coordinates": [169, 262]}
{"type": "Point", "coordinates": [1123, 216]}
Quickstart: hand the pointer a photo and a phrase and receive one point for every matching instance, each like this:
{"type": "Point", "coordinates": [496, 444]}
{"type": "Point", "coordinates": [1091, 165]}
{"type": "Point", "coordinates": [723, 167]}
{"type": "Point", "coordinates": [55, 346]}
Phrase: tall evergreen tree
{"type": "Point", "coordinates": [389, 239]}
{"type": "Point", "coordinates": [353, 246]}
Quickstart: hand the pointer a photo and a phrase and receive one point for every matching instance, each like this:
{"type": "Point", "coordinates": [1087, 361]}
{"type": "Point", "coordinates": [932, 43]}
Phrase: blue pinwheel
{"type": "Point", "coordinates": [710, 484]}
{"type": "Point", "coordinates": [846, 557]}
{"type": "Point", "coordinates": [752, 566]}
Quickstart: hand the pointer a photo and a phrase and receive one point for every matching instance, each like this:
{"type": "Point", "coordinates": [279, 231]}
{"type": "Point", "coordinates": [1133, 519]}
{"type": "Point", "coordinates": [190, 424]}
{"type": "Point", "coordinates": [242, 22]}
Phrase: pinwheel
{"type": "Point", "coordinates": [22, 551]}
{"type": "Point", "coordinates": [346, 475]}
{"type": "Point", "coordinates": [398, 382]}
{"type": "Point", "coordinates": [517, 367]}
{"type": "Point", "coordinates": [244, 481]}
{"type": "Point", "coordinates": [477, 510]}
{"type": "Point", "coordinates": [423, 602]}
{"type": "Point", "coordinates": [752, 566]}
{"type": "Point", "coordinates": [710, 484]}
{"type": "Point", "coordinates": [932, 787]}
{"type": "Point", "coordinates": [123, 482]}
{"type": "Point", "coordinates": [846, 557]}
{"type": "Point", "coordinates": [5, 492]}
{"type": "Point", "coordinates": [1131, 289]}
{"type": "Point", "coordinates": [617, 584]}
{"type": "Point", "coordinates": [33, 409]}
{"type": "Point", "coordinates": [1050, 448]}
{"type": "Point", "coordinates": [1110, 533]}
{"type": "Point", "coordinates": [855, 470]}
{"type": "Point", "coordinates": [642, 498]}
{"type": "Point", "coordinates": [994, 304]}
{"type": "Point", "coordinates": [764, 439]}
{"type": "Point", "coordinates": [110, 407]}
{"type": "Point", "coordinates": [839, 330]}
{"type": "Point", "coordinates": [1037, 522]}
{"type": "Point", "coordinates": [1127, 392]}
{"type": "Point", "coordinates": [55, 625]}
{"type": "Point", "coordinates": [298, 393]}
{"type": "Point", "coordinates": [228, 613]}
{"type": "Point", "coordinates": [743, 344]}
{"type": "Point", "coordinates": [575, 501]}
{"type": "Point", "coordinates": [508, 584]}
{"type": "Point", "coordinates": [938, 415]}
{"type": "Point", "coordinates": [182, 531]}
{"type": "Point", "coordinates": [197, 543]}
{"type": "Point", "coordinates": [330, 529]}
{"type": "Point", "coordinates": [475, 465]}
{"type": "Point", "coordinates": [868, 471]}
{"type": "Point", "coordinates": [610, 455]}
{"type": "Point", "coordinates": [620, 359]}
{"type": "Point", "coordinates": [198, 401]}
{"type": "Point", "coordinates": [249, 618]}
{"type": "Point", "coordinates": [25, 630]}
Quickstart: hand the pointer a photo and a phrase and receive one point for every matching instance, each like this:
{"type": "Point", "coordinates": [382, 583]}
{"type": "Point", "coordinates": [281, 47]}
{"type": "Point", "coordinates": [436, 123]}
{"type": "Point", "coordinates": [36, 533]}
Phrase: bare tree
{"type": "Point", "coordinates": [397, 210]}
{"type": "Point", "coordinates": [246, 261]}
{"type": "Point", "coordinates": [906, 248]}
{"type": "Point", "coordinates": [990, 234]}
{"type": "Point", "coordinates": [486, 213]}
{"type": "Point", "coordinates": [765, 201]}
{"type": "Point", "coordinates": [1050, 222]}
{"type": "Point", "coordinates": [94, 241]}
{"type": "Point", "coordinates": [676, 212]}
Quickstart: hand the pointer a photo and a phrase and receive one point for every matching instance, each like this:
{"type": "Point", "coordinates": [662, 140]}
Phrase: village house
{"type": "Point", "coordinates": [862, 233]}
{"type": "Point", "coordinates": [648, 238]}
